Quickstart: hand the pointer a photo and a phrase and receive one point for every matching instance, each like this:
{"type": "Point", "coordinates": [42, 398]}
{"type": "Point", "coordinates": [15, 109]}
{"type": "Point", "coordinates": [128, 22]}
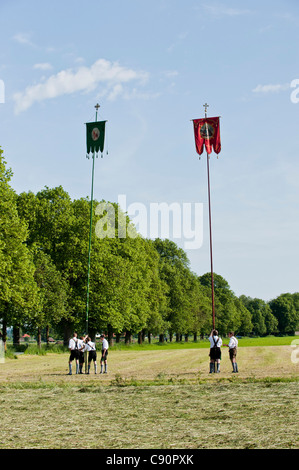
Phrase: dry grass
{"type": "Point", "coordinates": [172, 402]}
{"type": "Point", "coordinates": [259, 362]}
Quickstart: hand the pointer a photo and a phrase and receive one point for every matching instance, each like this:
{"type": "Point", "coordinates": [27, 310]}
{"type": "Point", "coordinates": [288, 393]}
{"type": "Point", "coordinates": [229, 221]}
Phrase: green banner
{"type": "Point", "coordinates": [95, 136]}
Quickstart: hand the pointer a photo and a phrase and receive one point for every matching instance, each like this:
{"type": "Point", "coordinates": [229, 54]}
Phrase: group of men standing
{"type": "Point", "coordinates": [215, 351]}
{"type": "Point", "coordinates": [79, 346]}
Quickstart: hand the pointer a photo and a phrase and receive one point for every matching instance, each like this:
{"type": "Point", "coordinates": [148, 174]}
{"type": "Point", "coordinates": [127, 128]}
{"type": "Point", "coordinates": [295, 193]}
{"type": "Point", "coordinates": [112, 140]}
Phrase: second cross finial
{"type": "Point", "coordinates": [206, 108]}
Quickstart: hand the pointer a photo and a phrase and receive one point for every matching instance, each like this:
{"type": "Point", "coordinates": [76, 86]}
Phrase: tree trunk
{"type": "Point", "coordinates": [177, 337]}
{"type": "Point", "coordinates": [161, 338]}
{"type": "Point", "coordinates": [110, 335]}
{"type": "Point", "coordinates": [140, 337]}
{"type": "Point", "coordinates": [47, 334]}
{"type": "Point", "coordinates": [195, 337]}
{"type": "Point", "coordinates": [128, 337]}
{"type": "Point", "coordinates": [186, 338]}
{"type": "Point", "coordinates": [16, 335]}
{"type": "Point", "coordinates": [39, 338]}
{"type": "Point", "coordinates": [170, 337]}
{"type": "Point", "coordinates": [117, 338]}
{"type": "Point", "coordinates": [67, 332]}
{"type": "Point", "coordinates": [4, 332]}
{"type": "Point", "coordinates": [92, 334]}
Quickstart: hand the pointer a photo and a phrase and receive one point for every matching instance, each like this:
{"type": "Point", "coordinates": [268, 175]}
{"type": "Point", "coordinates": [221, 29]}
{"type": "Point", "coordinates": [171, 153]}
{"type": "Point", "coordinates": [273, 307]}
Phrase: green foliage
{"type": "Point", "coordinates": [263, 321]}
{"type": "Point", "coordinates": [185, 308]}
{"type": "Point", "coordinates": [230, 313]}
{"type": "Point", "coordinates": [136, 285]}
{"type": "Point", "coordinates": [52, 289]}
{"type": "Point", "coordinates": [284, 308]}
{"type": "Point", "coordinates": [18, 289]}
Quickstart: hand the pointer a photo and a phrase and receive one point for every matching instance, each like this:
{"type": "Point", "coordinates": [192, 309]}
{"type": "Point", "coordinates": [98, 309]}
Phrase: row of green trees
{"type": "Point", "coordinates": [137, 286]}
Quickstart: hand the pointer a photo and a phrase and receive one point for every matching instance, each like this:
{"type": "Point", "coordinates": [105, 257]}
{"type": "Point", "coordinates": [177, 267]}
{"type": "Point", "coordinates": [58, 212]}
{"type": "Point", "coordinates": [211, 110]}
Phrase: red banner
{"type": "Point", "coordinates": [207, 132]}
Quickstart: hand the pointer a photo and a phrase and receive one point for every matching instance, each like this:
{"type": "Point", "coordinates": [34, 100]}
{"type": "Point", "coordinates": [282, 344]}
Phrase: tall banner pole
{"type": "Point", "coordinates": [207, 133]}
{"type": "Point", "coordinates": [210, 226]}
{"type": "Point", "coordinates": [90, 232]}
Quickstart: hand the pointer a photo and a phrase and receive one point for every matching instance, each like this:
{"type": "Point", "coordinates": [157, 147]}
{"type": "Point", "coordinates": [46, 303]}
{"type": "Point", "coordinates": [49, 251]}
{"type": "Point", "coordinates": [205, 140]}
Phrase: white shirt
{"type": "Point", "coordinates": [73, 342]}
{"type": "Point", "coordinates": [233, 342]}
{"type": "Point", "coordinates": [81, 345]}
{"type": "Point", "coordinates": [90, 346]}
{"type": "Point", "coordinates": [213, 340]}
{"type": "Point", "coordinates": [105, 344]}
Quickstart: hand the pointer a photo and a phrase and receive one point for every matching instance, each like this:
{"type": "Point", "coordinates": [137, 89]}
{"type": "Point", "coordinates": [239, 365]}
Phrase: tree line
{"type": "Point", "coordinates": [138, 286]}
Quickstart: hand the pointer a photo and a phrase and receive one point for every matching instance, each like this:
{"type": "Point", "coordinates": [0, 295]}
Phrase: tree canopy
{"type": "Point", "coordinates": [137, 285]}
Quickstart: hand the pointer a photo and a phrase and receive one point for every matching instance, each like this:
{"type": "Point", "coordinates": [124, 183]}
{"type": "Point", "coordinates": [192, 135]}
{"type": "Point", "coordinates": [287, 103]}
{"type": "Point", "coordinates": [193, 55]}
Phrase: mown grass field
{"type": "Point", "coordinates": [152, 399]}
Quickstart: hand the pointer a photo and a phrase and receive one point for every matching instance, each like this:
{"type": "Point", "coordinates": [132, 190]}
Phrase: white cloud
{"type": "Point", "coordinates": [79, 60]}
{"type": "Point", "coordinates": [84, 79]}
{"type": "Point", "coordinates": [115, 92]}
{"type": "Point", "coordinates": [220, 10]}
{"type": "Point", "coordinates": [171, 73]}
{"type": "Point", "coordinates": [43, 66]}
{"type": "Point", "coordinates": [271, 88]}
{"type": "Point", "coordinates": [23, 38]}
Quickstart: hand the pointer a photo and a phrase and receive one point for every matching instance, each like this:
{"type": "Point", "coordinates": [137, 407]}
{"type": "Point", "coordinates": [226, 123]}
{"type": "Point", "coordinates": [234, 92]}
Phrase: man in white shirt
{"type": "Point", "coordinates": [81, 349]}
{"type": "Point", "coordinates": [92, 353]}
{"type": "Point", "coordinates": [74, 353]}
{"type": "Point", "coordinates": [232, 345]}
{"type": "Point", "coordinates": [215, 351]}
{"type": "Point", "coordinates": [105, 347]}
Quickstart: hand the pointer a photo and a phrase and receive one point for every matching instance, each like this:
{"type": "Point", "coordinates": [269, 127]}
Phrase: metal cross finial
{"type": "Point", "coordinates": [97, 106]}
{"type": "Point", "coordinates": [206, 107]}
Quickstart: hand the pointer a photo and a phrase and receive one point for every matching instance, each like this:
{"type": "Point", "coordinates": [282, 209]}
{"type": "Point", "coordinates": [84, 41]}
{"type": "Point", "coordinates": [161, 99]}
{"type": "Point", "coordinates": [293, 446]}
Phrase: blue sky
{"type": "Point", "coordinates": [152, 66]}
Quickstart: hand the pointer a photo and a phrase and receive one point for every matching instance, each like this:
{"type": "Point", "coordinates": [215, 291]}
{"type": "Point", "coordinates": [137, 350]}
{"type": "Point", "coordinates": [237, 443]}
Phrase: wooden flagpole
{"type": "Point", "coordinates": [90, 234]}
{"type": "Point", "coordinates": [210, 225]}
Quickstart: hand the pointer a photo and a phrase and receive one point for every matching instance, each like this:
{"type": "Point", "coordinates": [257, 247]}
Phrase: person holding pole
{"type": "Point", "coordinates": [232, 345]}
{"type": "Point", "coordinates": [81, 349]}
{"type": "Point", "coordinates": [105, 347]}
{"type": "Point", "coordinates": [215, 351]}
{"type": "Point", "coordinates": [92, 354]}
{"type": "Point", "coordinates": [74, 353]}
